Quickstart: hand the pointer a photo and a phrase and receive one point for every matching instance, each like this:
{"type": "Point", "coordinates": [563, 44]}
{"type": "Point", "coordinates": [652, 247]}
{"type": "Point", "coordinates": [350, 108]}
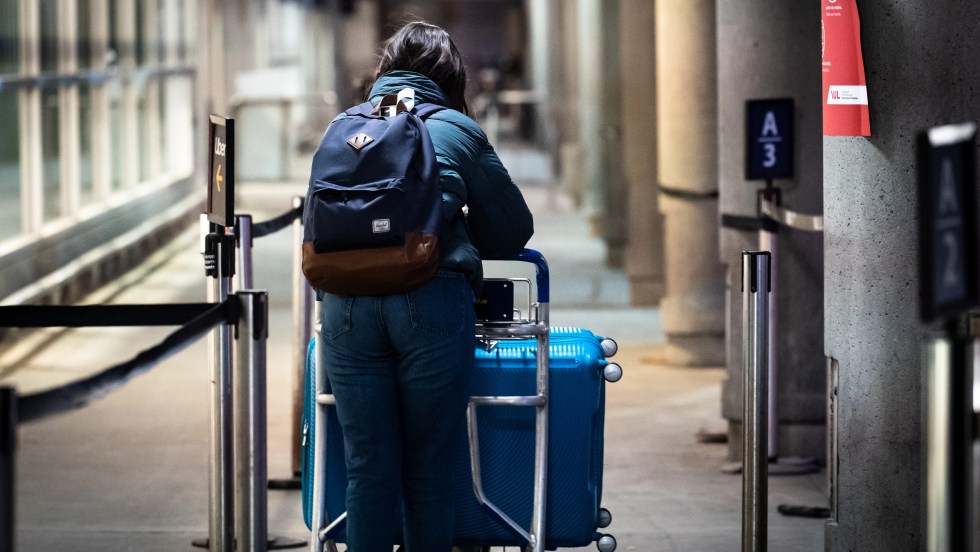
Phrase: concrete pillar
{"type": "Point", "coordinates": [644, 248]}
{"type": "Point", "coordinates": [920, 60]}
{"type": "Point", "coordinates": [569, 149]}
{"type": "Point", "coordinates": [687, 144]}
{"type": "Point", "coordinates": [771, 49]}
{"type": "Point", "coordinates": [542, 39]}
{"type": "Point", "coordinates": [601, 124]}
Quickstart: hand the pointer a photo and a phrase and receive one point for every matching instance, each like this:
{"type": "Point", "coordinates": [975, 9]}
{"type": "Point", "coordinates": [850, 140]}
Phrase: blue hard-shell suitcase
{"type": "Point", "coordinates": [506, 441]}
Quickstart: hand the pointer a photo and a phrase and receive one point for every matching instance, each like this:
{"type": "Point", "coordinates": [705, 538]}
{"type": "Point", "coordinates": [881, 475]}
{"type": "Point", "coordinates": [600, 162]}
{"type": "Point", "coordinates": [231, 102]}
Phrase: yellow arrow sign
{"type": "Point", "coordinates": [217, 177]}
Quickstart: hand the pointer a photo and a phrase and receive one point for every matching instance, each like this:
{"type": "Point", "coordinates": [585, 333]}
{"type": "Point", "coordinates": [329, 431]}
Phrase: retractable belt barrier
{"type": "Point", "coordinates": [809, 223]}
{"type": "Point", "coordinates": [196, 320]}
{"type": "Point", "coordinates": [771, 216]}
{"type": "Point", "coordinates": [278, 223]}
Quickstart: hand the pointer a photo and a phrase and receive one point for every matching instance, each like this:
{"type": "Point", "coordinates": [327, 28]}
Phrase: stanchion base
{"type": "Point", "coordinates": [793, 466]}
{"type": "Point", "coordinates": [274, 543]}
{"type": "Point", "coordinates": [731, 468]}
{"type": "Point", "coordinates": [704, 435]}
{"type": "Point", "coordinates": [780, 466]}
{"type": "Point", "coordinates": [279, 543]}
{"type": "Point", "coordinates": [293, 484]}
{"type": "Point", "coordinates": [820, 512]}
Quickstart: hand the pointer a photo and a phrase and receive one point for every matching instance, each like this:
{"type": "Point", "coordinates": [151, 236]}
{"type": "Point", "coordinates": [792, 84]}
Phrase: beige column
{"type": "Point", "coordinates": [687, 135]}
{"type": "Point", "coordinates": [644, 246]}
{"type": "Point", "coordinates": [542, 40]}
{"type": "Point", "coordinates": [601, 124]}
{"type": "Point", "coordinates": [569, 149]}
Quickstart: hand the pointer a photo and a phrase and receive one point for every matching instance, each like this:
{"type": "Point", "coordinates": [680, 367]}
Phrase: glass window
{"type": "Point", "coordinates": [10, 221]}
{"type": "Point", "coordinates": [50, 154]}
{"type": "Point", "coordinates": [116, 131]}
{"type": "Point", "coordinates": [87, 191]}
{"type": "Point", "coordinates": [144, 127]}
{"type": "Point", "coordinates": [162, 20]}
{"type": "Point", "coordinates": [141, 50]}
{"type": "Point", "coordinates": [9, 43]}
{"type": "Point", "coordinates": [186, 35]}
{"type": "Point", "coordinates": [85, 37]}
{"type": "Point", "coordinates": [120, 45]}
{"type": "Point", "coordinates": [49, 36]}
{"type": "Point", "coordinates": [178, 133]}
{"type": "Point", "coordinates": [113, 27]}
{"type": "Point", "coordinates": [157, 140]}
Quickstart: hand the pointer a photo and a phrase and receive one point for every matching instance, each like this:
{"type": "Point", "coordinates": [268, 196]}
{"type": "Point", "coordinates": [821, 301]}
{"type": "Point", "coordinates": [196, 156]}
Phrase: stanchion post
{"type": "Point", "coordinates": [302, 331]}
{"type": "Point", "coordinates": [8, 457]}
{"type": "Point", "coordinates": [243, 224]}
{"type": "Point", "coordinates": [975, 410]}
{"type": "Point", "coordinates": [755, 367]}
{"type": "Point", "coordinates": [937, 414]}
{"type": "Point", "coordinates": [251, 505]}
{"type": "Point", "coordinates": [768, 241]}
{"type": "Point", "coordinates": [219, 265]}
{"type": "Point", "coordinates": [949, 445]}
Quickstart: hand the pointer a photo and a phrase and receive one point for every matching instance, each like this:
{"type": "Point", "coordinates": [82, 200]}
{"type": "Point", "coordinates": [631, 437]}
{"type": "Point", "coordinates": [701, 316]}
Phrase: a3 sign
{"type": "Point", "coordinates": [769, 139]}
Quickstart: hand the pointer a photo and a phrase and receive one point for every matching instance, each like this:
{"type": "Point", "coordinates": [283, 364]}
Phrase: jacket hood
{"type": "Point", "coordinates": [393, 82]}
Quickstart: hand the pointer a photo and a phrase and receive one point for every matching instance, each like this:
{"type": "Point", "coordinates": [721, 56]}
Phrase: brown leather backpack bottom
{"type": "Point", "coordinates": [377, 271]}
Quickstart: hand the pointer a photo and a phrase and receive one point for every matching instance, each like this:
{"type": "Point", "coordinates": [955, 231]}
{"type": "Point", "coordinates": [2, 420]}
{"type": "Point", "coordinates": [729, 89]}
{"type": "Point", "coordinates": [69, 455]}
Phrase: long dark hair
{"type": "Point", "coordinates": [424, 48]}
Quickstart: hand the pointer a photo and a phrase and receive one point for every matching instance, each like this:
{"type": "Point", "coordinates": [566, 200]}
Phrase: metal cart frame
{"type": "Point", "coordinates": [536, 326]}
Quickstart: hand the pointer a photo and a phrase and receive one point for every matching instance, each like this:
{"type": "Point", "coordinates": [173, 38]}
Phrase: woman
{"type": "Point", "coordinates": [400, 365]}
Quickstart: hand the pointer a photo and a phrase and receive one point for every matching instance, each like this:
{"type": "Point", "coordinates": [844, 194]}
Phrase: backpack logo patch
{"type": "Point", "coordinates": [359, 140]}
{"type": "Point", "coordinates": [381, 226]}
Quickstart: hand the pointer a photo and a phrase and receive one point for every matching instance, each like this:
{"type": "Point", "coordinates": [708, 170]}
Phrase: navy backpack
{"type": "Point", "coordinates": [375, 211]}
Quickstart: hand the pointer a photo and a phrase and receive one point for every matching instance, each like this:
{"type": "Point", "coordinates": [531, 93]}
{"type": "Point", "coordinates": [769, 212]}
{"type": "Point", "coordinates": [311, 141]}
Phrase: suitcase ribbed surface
{"type": "Point", "coordinates": [506, 437]}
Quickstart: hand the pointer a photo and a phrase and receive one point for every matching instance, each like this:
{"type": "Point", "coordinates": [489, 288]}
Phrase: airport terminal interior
{"type": "Point", "coordinates": [769, 208]}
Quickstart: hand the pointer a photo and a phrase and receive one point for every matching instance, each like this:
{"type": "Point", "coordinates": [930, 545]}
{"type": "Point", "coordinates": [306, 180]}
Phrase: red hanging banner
{"type": "Point", "coordinates": [845, 91]}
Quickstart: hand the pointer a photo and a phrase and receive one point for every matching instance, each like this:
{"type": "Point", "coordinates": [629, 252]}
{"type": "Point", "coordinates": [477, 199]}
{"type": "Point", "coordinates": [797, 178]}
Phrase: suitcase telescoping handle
{"type": "Point", "coordinates": [540, 264]}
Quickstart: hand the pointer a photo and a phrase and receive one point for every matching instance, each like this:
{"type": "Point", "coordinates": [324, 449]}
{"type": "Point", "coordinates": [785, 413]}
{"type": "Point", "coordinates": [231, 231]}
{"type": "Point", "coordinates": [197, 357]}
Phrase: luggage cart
{"type": "Point", "coordinates": [505, 322]}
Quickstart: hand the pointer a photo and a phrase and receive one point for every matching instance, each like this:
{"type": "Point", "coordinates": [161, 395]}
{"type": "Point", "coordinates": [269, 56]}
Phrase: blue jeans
{"type": "Point", "coordinates": [399, 367]}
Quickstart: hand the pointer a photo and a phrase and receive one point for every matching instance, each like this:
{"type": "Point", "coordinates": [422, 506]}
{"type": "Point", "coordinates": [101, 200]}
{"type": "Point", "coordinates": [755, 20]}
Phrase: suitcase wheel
{"type": "Point", "coordinates": [612, 372]}
{"type": "Point", "coordinates": [609, 347]}
{"type": "Point", "coordinates": [606, 543]}
{"type": "Point", "coordinates": [605, 518]}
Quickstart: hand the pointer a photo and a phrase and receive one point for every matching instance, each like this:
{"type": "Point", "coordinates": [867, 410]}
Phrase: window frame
{"type": "Point", "coordinates": [142, 86]}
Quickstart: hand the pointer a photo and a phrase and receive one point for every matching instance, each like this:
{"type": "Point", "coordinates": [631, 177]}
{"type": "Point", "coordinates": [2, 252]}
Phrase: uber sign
{"type": "Point", "coordinates": [947, 220]}
{"type": "Point", "coordinates": [769, 139]}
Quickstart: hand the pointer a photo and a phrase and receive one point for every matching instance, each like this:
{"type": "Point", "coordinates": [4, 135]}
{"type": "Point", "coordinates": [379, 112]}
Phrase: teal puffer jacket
{"type": "Point", "coordinates": [498, 221]}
